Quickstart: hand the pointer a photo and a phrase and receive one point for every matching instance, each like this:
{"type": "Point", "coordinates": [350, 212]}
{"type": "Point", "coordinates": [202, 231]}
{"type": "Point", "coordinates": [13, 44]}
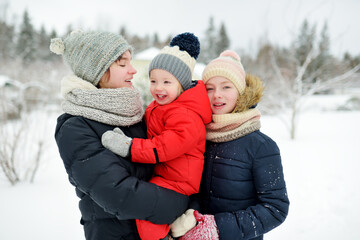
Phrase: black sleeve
{"type": "Point", "coordinates": [107, 178]}
{"type": "Point", "coordinates": [195, 202]}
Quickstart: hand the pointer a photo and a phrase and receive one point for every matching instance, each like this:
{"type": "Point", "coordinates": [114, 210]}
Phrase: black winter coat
{"type": "Point", "coordinates": [110, 187]}
{"type": "Point", "coordinates": [243, 186]}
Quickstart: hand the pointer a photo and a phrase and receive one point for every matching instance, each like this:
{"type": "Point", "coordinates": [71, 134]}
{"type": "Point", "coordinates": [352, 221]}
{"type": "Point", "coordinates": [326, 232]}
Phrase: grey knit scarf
{"type": "Point", "coordinates": [116, 107]}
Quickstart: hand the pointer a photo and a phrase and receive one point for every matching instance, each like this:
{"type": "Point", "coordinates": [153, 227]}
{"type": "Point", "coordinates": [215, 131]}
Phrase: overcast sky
{"type": "Point", "coordinates": [246, 21]}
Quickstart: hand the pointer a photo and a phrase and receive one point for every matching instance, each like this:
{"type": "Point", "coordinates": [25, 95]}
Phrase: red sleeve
{"type": "Point", "coordinates": [182, 132]}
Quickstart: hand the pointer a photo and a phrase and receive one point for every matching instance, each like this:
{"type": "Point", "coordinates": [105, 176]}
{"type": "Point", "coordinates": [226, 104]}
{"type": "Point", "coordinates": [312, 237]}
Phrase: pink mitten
{"type": "Point", "coordinates": [205, 230]}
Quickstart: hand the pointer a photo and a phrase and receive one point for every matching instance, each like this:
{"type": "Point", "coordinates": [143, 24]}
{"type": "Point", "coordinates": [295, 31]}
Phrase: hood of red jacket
{"type": "Point", "coordinates": [194, 99]}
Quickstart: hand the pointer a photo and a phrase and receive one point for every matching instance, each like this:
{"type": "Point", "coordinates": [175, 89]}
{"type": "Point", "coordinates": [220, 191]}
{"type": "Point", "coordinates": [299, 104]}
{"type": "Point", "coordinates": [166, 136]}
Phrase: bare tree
{"type": "Point", "coordinates": [23, 143]}
{"type": "Point", "coordinates": [23, 137]}
{"type": "Point", "coordinates": [295, 85]}
{"type": "Point", "coordinates": [7, 152]}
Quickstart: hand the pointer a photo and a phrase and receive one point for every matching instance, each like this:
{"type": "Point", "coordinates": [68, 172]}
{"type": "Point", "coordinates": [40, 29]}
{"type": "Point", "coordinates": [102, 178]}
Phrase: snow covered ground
{"type": "Point", "coordinates": [321, 169]}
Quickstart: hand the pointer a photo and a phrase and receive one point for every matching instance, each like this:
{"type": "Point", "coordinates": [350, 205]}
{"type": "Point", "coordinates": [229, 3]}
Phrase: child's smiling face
{"type": "Point", "coordinates": [164, 87]}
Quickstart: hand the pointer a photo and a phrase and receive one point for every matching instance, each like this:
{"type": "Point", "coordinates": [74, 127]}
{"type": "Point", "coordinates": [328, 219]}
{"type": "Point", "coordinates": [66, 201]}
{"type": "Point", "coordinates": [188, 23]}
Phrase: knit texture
{"type": "Point", "coordinates": [179, 58]}
{"type": "Point", "coordinates": [227, 65]}
{"type": "Point", "coordinates": [206, 228]}
{"type": "Point", "coordinates": [117, 142]}
{"type": "Point", "coordinates": [227, 127]}
{"type": "Point", "coordinates": [174, 66]}
{"type": "Point", "coordinates": [116, 107]}
{"type": "Point", "coordinates": [90, 54]}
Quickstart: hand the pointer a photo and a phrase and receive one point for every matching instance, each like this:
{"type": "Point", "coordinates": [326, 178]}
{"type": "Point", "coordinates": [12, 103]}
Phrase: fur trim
{"type": "Point", "coordinates": [252, 94]}
{"type": "Point", "coordinates": [71, 82]}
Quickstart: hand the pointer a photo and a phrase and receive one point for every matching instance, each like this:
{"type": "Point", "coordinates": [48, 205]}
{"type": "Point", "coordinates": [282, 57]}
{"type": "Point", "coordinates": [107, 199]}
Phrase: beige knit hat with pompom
{"type": "Point", "coordinates": [227, 65]}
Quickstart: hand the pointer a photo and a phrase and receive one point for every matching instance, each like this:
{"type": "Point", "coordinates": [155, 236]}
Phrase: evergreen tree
{"type": "Point", "coordinates": [156, 42]}
{"type": "Point", "coordinates": [6, 34]}
{"type": "Point", "coordinates": [146, 41]}
{"type": "Point", "coordinates": [323, 60]}
{"type": "Point", "coordinates": [3, 10]}
{"type": "Point", "coordinates": [324, 44]}
{"type": "Point", "coordinates": [6, 40]}
{"type": "Point", "coordinates": [223, 42]}
{"type": "Point", "coordinates": [26, 43]}
{"type": "Point", "coordinates": [124, 32]}
{"type": "Point", "coordinates": [69, 29]}
{"type": "Point", "coordinates": [138, 43]}
{"type": "Point", "coordinates": [43, 42]}
{"type": "Point", "coordinates": [304, 42]}
{"type": "Point", "coordinates": [263, 60]}
{"type": "Point", "coordinates": [53, 34]}
{"type": "Point", "coordinates": [321, 65]}
{"type": "Point", "coordinates": [168, 40]}
{"type": "Point", "coordinates": [52, 56]}
{"type": "Point", "coordinates": [350, 60]}
{"type": "Point", "coordinates": [208, 46]}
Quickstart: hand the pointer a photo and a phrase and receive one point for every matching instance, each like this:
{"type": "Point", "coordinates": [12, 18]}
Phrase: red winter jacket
{"type": "Point", "coordinates": [176, 140]}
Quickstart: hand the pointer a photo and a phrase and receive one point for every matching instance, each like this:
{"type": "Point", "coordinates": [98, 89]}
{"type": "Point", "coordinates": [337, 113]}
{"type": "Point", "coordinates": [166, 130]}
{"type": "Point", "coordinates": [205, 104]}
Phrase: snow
{"type": "Point", "coordinates": [321, 169]}
{"type": "Point", "coordinates": [198, 69]}
{"type": "Point", "coordinates": [4, 80]}
{"type": "Point", "coordinates": [147, 54]}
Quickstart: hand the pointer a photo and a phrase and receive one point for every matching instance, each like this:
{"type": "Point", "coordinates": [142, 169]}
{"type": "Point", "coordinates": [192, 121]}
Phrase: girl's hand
{"type": "Point", "coordinates": [205, 230]}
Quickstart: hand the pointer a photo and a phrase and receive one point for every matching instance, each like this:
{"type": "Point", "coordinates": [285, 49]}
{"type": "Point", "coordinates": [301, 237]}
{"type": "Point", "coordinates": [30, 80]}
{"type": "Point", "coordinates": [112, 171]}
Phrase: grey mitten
{"type": "Point", "coordinates": [117, 142]}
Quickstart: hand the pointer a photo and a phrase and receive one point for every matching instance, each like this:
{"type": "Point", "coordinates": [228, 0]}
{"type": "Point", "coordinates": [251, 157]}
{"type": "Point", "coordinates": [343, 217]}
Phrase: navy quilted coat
{"type": "Point", "coordinates": [243, 186]}
{"type": "Point", "coordinates": [111, 189]}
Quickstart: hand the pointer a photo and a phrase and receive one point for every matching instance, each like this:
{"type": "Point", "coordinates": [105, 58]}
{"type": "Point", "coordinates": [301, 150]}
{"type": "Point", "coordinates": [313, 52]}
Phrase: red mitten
{"type": "Point", "coordinates": [205, 230]}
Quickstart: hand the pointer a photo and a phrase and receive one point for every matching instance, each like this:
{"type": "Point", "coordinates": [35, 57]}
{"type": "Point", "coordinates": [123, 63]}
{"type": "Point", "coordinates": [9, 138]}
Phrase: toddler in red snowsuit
{"type": "Point", "coordinates": [175, 126]}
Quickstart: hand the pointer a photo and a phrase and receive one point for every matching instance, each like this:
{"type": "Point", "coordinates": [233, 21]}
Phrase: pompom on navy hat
{"type": "Point", "coordinates": [179, 58]}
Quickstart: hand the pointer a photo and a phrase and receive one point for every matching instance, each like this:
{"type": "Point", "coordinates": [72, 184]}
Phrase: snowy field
{"type": "Point", "coordinates": [321, 170]}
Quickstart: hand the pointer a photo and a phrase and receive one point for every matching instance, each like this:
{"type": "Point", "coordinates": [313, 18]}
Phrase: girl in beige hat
{"type": "Point", "coordinates": [243, 193]}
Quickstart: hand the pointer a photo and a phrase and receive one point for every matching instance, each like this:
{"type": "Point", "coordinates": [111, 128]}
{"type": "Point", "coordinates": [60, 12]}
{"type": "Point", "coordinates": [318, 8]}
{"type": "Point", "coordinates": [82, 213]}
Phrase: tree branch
{"type": "Point", "coordinates": [328, 84]}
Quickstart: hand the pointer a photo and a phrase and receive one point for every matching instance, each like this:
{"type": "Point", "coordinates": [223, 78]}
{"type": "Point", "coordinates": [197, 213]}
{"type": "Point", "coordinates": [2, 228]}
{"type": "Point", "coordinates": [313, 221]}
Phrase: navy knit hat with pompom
{"type": "Point", "coordinates": [179, 58]}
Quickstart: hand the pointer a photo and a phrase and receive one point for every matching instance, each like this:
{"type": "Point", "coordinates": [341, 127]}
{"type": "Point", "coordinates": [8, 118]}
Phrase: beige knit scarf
{"type": "Point", "coordinates": [227, 127]}
{"type": "Point", "coordinates": [117, 107]}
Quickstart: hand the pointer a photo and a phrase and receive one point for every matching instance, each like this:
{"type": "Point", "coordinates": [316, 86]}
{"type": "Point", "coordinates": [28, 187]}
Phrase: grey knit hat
{"type": "Point", "coordinates": [179, 58]}
{"type": "Point", "coordinates": [90, 54]}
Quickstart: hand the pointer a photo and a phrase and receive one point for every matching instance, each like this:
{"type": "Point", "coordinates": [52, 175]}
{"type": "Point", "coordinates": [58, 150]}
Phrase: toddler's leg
{"type": "Point", "coordinates": [150, 231]}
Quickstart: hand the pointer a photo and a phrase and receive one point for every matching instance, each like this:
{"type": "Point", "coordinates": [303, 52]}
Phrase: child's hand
{"type": "Point", "coordinates": [183, 223]}
{"type": "Point", "coordinates": [117, 142]}
{"type": "Point", "coordinates": [205, 230]}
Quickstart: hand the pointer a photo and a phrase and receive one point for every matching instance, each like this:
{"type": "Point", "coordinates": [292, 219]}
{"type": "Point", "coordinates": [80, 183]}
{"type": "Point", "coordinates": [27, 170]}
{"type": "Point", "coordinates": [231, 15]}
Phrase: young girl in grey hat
{"type": "Point", "coordinates": [97, 98]}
